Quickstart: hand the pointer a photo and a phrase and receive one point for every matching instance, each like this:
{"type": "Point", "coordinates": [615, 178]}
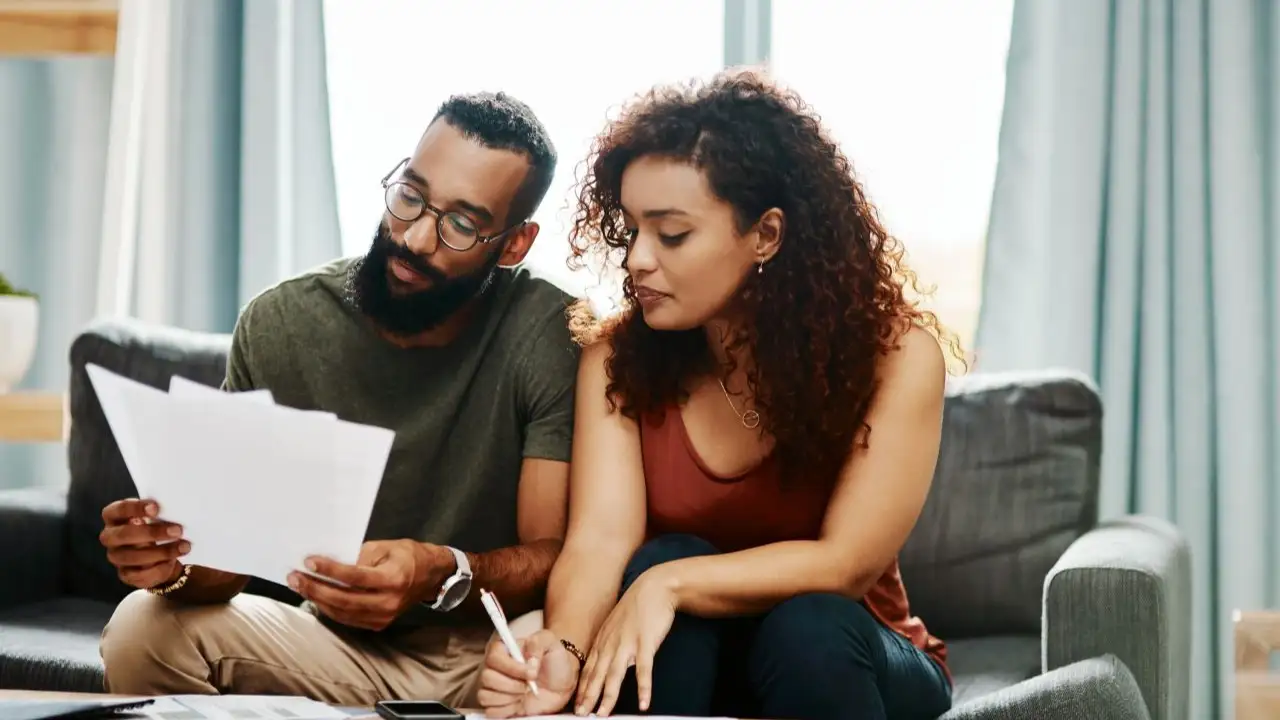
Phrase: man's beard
{"type": "Point", "coordinates": [368, 288]}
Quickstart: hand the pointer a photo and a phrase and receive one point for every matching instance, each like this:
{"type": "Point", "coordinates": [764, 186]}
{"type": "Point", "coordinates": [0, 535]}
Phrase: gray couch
{"type": "Point", "coordinates": [1047, 614]}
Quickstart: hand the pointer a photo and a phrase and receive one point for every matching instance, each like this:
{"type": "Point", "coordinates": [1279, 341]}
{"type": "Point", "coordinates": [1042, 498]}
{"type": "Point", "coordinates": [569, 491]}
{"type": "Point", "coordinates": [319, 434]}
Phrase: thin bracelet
{"type": "Point", "coordinates": [573, 650]}
{"type": "Point", "coordinates": [175, 585]}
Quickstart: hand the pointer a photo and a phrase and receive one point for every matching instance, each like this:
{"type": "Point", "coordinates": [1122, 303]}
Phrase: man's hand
{"type": "Point", "coordinates": [504, 682]}
{"type": "Point", "coordinates": [132, 534]}
{"type": "Point", "coordinates": [389, 577]}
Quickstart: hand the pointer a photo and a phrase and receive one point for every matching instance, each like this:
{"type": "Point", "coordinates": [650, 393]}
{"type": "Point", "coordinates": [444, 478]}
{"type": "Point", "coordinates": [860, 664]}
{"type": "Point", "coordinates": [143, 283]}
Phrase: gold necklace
{"type": "Point", "coordinates": [750, 419]}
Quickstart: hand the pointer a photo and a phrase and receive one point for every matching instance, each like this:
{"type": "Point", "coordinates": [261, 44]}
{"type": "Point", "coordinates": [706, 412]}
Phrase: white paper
{"type": "Point", "coordinates": [566, 716]}
{"type": "Point", "coordinates": [182, 387]}
{"type": "Point", "coordinates": [257, 487]}
{"type": "Point", "coordinates": [235, 707]}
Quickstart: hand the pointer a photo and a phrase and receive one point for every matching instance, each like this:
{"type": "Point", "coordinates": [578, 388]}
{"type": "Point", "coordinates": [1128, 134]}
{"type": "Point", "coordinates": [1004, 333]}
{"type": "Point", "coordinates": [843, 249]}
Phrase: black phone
{"type": "Point", "coordinates": [415, 710]}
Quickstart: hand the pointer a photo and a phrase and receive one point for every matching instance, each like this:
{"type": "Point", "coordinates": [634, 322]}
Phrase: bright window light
{"type": "Point", "coordinates": [913, 90]}
{"type": "Point", "coordinates": [392, 62]}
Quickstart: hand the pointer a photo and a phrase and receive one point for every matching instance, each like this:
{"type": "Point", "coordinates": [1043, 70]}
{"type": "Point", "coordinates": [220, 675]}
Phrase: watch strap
{"type": "Point", "coordinates": [463, 571]}
{"type": "Point", "coordinates": [464, 565]}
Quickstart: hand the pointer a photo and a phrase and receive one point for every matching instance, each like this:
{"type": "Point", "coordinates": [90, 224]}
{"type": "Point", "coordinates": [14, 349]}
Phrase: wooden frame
{"type": "Point", "coordinates": [38, 28]}
{"type": "Point", "coordinates": [1257, 635]}
{"type": "Point", "coordinates": [33, 417]}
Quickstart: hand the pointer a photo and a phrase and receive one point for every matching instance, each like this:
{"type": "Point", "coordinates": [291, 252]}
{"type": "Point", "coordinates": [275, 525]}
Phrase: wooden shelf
{"type": "Point", "coordinates": [32, 417]}
{"type": "Point", "coordinates": [41, 28]}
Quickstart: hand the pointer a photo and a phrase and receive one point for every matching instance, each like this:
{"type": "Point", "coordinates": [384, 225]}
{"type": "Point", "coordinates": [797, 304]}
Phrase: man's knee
{"type": "Point", "coordinates": [140, 635]}
{"type": "Point", "coordinates": [814, 628]}
{"type": "Point", "coordinates": [666, 548]}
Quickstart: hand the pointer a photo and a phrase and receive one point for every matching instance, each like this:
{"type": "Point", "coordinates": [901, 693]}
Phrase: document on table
{"type": "Point", "coordinates": [475, 716]}
{"type": "Point", "coordinates": [257, 487]}
{"type": "Point", "coordinates": [237, 707]}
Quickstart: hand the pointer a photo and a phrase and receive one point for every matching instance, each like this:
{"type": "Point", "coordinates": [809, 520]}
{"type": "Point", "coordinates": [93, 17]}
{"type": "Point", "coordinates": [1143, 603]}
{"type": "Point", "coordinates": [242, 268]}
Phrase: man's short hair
{"type": "Point", "coordinates": [501, 122]}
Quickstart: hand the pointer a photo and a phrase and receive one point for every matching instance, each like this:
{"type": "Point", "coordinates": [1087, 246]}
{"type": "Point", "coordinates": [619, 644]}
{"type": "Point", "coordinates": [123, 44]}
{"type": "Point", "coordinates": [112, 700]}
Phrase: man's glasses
{"type": "Point", "coordinates": [457, 231]}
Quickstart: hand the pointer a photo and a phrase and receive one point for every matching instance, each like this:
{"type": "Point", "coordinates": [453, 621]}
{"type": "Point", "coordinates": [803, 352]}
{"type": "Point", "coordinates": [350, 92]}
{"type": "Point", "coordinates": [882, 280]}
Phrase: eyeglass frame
{"type": "Point", "coordinates": [438, 213]}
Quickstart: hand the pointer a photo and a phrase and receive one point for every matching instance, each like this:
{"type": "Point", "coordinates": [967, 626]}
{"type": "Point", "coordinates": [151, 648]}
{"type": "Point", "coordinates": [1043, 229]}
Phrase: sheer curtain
{"type": "Point", "coordinates": [1134, 237]}
{"type": "Point", "coordinates": [231, 187]}
{"type": "Point", "coordinates": [391, 63]}
{"type": "Point", "coordinates": [53, 135]}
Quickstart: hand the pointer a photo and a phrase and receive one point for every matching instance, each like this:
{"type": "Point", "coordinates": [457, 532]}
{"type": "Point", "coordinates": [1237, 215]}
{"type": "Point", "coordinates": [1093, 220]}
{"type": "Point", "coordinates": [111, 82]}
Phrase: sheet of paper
{"type": "Point", "coordinates": [254, 707]}
{"type": "Point", "coordinates": [476, 716]}
{"type": "Point", "coordinates": [182, 387]}
{"type": "Point", "coordinates": [257, 487]}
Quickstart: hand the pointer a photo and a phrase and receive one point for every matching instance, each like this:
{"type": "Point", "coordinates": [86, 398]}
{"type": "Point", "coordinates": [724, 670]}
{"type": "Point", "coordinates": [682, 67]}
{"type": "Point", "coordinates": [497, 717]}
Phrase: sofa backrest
{"type": "Point", "coordinates": [1016, 483]}
{"type": "Point", "coordinates": [147, 353]}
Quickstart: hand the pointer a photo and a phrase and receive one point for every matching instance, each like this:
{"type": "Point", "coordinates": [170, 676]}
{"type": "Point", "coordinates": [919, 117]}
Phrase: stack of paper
{"type": "Point", "coordinates": [257, 487]}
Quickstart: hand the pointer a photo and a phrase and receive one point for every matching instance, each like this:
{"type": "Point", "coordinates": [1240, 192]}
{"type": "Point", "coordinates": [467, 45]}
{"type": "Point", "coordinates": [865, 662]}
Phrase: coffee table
{"type": "Point", "coordinates": [45, 695]}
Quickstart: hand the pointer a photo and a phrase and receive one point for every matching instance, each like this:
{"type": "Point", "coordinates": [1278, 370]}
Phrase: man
{"type": "Point", "coordinates": [471, 364]}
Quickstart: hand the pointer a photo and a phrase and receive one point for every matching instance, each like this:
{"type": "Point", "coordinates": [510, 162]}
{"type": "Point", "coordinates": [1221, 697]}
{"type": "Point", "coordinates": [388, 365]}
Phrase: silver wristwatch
{"type": "Point", "coordinates": [457, 586]}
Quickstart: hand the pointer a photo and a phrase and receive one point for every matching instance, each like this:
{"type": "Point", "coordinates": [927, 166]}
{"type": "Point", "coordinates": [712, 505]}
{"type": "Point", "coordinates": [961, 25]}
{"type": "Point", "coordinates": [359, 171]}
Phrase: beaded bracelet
{"type": "Point", "coordinates": [175, 585]}
{"type": "Point", "coordinates": [573, 650]}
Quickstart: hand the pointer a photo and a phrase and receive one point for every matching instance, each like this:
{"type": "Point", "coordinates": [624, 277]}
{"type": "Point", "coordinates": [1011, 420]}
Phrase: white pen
{"type": "Point", "coordinates": [499, 619]}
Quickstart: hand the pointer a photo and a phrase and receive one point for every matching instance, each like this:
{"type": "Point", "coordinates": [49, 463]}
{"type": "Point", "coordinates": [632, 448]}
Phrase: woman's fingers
{"type": "Point", "coordinates": [498, 705]}
{"type": "Point", "coordinates": [491, 679]}
{"type": "Point", "coordinates": [622, 660]}
{"type": "Point", "coordinates": [593, 678]}
{"type": "Point", "coordinates": [644, 674]}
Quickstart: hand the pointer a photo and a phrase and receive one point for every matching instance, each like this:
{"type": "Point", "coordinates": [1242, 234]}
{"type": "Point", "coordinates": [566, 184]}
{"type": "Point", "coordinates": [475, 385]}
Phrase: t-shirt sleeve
{"type": "Point", "coordinates": [549, 372]}
{"type": "Point", "coordinates": [238, 377]}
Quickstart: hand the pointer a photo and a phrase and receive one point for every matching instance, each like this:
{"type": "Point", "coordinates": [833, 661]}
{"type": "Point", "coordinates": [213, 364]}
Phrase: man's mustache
{"type": "Point", "coordinates": [399, 252]}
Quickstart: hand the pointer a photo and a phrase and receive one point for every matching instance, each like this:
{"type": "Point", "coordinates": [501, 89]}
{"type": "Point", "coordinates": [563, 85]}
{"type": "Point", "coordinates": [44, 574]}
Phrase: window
{"type": "Point", "coordinates": [392, 62]}
{"type": "Point", "coordinates": [913, 90]}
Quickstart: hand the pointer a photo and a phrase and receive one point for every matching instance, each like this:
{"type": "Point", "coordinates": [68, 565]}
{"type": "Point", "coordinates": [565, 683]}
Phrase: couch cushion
{"type": "Point", "coordinates": [984, 665]}
{"type": "Point", "coordinates": [53, 645]}
{"type": "Point", "coordinates": [1016, 483]}
{"type": "Point", "coordinates": [147, 353]}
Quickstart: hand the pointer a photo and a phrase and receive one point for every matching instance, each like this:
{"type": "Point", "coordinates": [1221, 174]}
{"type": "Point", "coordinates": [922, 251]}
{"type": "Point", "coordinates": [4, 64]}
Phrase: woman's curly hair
{"type": "Point", "coordinates": [826, 307]}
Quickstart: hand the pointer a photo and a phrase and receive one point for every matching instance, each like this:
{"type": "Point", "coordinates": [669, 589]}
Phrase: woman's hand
{"type": "Point", "coordinates": [630, 636]}
{"type": "Point", "coordinates": [504, 682]}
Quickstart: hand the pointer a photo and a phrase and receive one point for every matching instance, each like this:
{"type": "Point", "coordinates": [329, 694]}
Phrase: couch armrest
{"type": "Point", "coordinates": [1124, 588]}
{"type": "Point", "coordinates": [1100, 687]}
{"type": "Point", "coordinates": [32, 537]}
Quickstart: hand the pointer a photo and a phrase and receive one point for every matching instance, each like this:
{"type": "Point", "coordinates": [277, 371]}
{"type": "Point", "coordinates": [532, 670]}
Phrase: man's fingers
{"type": "Point", "coordinates": [121, 511]}
{"type": "Point", "coordinates": [352, 603]}
{"type": "Point", "coordinates": [353, 575]}
{"type": "Point", "coordinates": [148, 576]}
{"type": "Point", "coordinates": [497, 681]}
{"type": "Point", "coordinates": [144, 534]}
{"type": "Point", "coordinates": [147, 555]}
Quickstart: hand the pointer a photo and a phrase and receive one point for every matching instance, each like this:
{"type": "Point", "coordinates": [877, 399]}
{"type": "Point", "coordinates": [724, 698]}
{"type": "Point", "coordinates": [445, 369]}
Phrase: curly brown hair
{"type": "Point", "coordinates": [828, 305]}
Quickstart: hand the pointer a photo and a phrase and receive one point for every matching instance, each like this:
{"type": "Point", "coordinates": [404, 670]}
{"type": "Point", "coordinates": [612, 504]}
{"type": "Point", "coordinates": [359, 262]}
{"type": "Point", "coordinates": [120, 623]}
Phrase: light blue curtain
{"type": "Point", "coordinates": [250, 197]}
{"type": "Point", "coordinates": [1134, 236]}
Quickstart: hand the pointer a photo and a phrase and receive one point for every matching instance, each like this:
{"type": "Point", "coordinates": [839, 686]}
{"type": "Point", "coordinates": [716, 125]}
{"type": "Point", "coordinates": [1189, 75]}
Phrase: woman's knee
{"type": "Point", "coordinates": [666, 548]}
{"type": "Point", "coordinates": [813, 628]}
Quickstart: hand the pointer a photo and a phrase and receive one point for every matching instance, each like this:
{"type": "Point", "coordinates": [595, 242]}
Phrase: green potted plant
{"type": "Point", "coordinates": [19, 317]}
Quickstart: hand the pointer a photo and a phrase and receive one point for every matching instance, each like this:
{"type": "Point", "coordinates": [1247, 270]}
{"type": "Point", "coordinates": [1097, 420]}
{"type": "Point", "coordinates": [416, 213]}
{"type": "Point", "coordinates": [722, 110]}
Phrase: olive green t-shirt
{"type": "Point", "coordinates": [464, 415]}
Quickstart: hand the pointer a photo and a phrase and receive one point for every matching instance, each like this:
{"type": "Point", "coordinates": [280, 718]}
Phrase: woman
{"type": "Point", "coordinates": [755, 434]}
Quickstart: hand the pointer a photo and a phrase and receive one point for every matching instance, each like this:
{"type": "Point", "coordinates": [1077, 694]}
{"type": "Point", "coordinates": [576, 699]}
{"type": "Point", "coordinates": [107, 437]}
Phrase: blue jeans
{"type": "Point", "coordinates": [816, 656]}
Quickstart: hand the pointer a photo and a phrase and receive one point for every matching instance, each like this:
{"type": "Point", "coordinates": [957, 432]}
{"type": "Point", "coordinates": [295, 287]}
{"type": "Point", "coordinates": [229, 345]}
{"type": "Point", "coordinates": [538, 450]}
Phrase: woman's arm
{"type": "Point", "coordinates": [606, 509]}
{"type": "Point", "coordinates": [874, 507]}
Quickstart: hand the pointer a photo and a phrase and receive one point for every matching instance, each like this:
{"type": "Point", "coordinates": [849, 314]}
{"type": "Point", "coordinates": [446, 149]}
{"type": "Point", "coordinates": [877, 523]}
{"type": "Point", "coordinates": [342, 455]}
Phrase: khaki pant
{"type": "Point", "coordinates": [254, 645]}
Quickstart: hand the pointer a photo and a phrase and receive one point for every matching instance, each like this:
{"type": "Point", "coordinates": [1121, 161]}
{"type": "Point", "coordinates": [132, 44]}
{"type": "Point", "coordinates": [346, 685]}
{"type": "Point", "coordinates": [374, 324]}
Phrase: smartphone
{"type": "Point", "coordinates": [415, 710]}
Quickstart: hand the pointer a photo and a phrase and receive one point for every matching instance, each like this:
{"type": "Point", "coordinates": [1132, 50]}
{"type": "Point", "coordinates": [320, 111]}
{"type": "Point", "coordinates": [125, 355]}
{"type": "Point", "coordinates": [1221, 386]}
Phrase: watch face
{"type": "Point", "coordinates": [456, 593]}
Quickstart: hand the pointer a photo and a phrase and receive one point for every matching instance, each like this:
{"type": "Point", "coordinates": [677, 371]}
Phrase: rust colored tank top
{"type": "Point", "coordinates": [751, 510]}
